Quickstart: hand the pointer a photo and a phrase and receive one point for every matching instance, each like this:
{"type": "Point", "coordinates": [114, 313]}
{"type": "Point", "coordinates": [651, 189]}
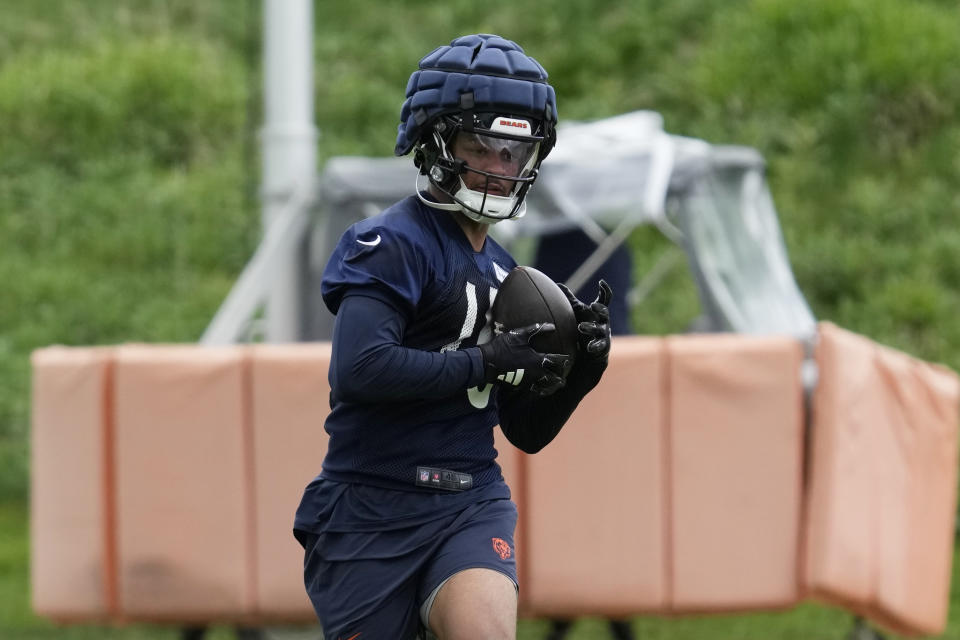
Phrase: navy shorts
{"type": "Point", "coordinates": [375, 555]}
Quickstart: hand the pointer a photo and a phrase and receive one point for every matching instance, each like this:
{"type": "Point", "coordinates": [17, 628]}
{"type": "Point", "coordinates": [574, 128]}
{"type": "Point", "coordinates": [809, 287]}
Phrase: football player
{"type": "Point", "coordinates": [409, 525]}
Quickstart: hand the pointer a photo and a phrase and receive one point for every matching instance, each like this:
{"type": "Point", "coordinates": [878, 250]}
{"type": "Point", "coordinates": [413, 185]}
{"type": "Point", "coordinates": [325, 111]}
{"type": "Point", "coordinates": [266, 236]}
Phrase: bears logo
{"type": "Point", "coordinates": [501, 547]}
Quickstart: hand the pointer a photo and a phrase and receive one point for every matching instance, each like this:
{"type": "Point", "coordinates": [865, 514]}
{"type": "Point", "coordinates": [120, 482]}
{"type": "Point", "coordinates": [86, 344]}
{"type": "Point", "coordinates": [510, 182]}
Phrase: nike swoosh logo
{"type": "Point", "coordinates": [355, 636]}
{"type": "Point", "coordinates": [369, 243]}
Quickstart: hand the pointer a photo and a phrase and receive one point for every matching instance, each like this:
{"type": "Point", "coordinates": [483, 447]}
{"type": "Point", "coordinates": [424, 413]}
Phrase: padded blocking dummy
{"type": "Point", "coordinates": [182, 451]}
{"type": "Point", "coordinates": [593, 508]}
{"type": "Point", "coordinates": [883, 475]}
{"type": "Point", "coordinates": [70, 554]}
{"type": "Point", "coordinates": [735, 471]}
{"type": "Point", "coordinates": [290, 401]}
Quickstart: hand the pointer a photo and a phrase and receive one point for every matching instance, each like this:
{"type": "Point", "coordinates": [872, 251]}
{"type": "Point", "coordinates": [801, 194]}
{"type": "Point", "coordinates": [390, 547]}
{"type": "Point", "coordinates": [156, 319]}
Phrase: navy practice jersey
{"type": "Point", "coordinates": [417, 260]}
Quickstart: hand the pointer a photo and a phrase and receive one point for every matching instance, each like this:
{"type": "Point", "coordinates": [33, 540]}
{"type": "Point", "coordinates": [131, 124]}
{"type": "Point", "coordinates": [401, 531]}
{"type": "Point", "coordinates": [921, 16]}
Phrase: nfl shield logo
{"type": "Point", "coordinates": [424, 475]}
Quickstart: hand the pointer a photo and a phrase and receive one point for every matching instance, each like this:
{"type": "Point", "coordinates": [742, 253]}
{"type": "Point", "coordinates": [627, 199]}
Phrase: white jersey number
{"type": "Point", "coordinates": [478, 396]}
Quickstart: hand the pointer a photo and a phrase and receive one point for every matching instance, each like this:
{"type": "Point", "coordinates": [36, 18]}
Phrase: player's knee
{"type": "Point", "coordinates": [476, 604]}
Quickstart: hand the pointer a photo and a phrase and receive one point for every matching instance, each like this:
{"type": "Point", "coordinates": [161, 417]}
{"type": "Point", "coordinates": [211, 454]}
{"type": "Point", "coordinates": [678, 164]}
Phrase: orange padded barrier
{"type": "Point", "coordinates": [512, 463]}
{"type": "Point", "coordinates": [883, 479]}
{"type": "Point", "coordinates": [291, 398]}
{"type": "Point", "coordinates": [735, 469]}
{"type": "Point", "coordinates": [165, 479]}
{"type": "Point", "coordinates": [182, 461]}
{"type": "Point", "coordinates": [676, 486]}
{"type": "Point", "coordinates": [70, 538]}
{"type": "Point", "coordinates": [594, 509]}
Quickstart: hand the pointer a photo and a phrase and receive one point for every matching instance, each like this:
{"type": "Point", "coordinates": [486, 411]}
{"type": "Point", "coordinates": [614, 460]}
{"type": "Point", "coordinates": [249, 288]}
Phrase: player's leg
{"type": "Point", "coordinates": [475, 604]}
{"type": "Point", "coordinates": [364, 563]}
{"type": "Point", "coordinates": [361, 598]}
{"type": "Point", "coordinates": [469, 589]}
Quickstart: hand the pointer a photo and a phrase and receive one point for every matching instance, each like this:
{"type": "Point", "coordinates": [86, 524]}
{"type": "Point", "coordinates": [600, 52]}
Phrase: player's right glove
{"type": "Point", "coordinates": [509, 359]}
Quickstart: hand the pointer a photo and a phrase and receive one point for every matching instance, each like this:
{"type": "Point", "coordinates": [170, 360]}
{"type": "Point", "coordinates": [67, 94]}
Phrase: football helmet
{"type": "Point", "coordinates": [480, 117]}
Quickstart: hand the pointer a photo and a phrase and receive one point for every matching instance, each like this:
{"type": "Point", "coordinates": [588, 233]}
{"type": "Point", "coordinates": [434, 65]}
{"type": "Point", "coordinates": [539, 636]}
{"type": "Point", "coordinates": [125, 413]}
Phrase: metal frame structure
{"type": "Point", "coordinates": [289, 143]}
{"type": "Point", "coordinates": [606, 177]}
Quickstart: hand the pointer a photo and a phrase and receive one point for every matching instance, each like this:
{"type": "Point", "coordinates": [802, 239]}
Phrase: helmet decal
{"type": "Point", "coordinates": [510, 125]}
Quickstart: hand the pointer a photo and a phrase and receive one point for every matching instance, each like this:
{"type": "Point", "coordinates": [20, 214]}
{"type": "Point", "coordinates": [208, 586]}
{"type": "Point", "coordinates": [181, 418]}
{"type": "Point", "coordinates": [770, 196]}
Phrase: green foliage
{"type": "Point", "coordinates": [125, 184]}
{"type": "Point", "coordinates": [129, 149]}
{"type": "Point", "coordinates": [118, 98]}
{"type": "Point", "coordinates": [128, 154]}
{"type": "Point", "coordinates": [854, 104]}
{"type": "Point", "coordinates": [603, 58]}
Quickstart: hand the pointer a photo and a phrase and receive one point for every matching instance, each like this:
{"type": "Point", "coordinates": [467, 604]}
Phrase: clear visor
{"type": "Point", "coordinates": [495, 156]}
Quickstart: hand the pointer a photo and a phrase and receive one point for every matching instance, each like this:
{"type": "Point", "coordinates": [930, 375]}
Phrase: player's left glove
{"type": "Point", "coordinates": [593, 328]}
{"type": "Point", "coordinates": [593, 322]}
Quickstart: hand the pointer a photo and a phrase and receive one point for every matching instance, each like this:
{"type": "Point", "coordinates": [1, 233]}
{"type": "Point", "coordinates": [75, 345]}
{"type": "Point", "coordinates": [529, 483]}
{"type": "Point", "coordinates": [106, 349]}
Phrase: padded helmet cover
{"type": "Point", "coordinates": [498, 74]}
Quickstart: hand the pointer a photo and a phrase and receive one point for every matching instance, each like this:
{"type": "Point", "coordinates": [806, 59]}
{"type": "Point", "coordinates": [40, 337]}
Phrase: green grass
{"type": "Point", "coordinates": [129, 167]}
{"type": "Point", "coordinates": [130, 158]}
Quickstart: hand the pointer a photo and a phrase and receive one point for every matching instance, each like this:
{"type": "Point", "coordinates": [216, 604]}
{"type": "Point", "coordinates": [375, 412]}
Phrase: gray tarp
{"type": "Point", "coordinates": [608, 177]}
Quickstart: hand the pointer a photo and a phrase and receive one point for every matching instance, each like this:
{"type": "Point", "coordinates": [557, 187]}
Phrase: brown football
{"type": "Point", "coordinates": [527, 296]}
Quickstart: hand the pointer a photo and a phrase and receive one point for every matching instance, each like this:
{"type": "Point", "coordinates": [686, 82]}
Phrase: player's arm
{"type": "Point", "coordinates": [369, 363]}
{"type": "Point", "coordinates": [531, 422]}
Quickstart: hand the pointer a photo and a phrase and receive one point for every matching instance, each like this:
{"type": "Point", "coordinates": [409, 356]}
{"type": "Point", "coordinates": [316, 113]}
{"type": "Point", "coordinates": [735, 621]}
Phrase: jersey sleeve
{"type": "Point", "coordinates": [369, 363]}
{"type": "Point", "coordinates": [379, 261]}
{"type": "Point", "coordinates": [531, 422]}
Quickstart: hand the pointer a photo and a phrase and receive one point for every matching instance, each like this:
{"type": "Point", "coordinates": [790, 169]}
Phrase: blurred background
{"type": "Point", "coordinates": [130, 167]}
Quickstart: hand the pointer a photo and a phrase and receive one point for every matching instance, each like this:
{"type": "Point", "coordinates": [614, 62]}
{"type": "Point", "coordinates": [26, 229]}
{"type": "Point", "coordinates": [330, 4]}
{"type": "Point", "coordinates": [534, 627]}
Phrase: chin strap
{"type": "Point", "coordinates": [445, 206]}
{"type": "Point", "coordinates": [459, 205]}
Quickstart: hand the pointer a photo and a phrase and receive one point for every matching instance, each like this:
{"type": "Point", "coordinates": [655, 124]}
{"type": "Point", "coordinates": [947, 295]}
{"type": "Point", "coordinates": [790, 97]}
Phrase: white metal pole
{"type": "Point", "coordinates": [288, 140]}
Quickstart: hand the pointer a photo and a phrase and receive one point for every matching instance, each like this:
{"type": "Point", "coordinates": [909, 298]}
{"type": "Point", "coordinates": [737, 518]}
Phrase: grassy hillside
{"type": "Point", "coordinates": [130, 162]}
{"type": "Point", "coordinates": [129, 166]}
{"type": "Point", "coordinates": [129, 156]}
{"type": "Point", "coordinates": [126, 180]}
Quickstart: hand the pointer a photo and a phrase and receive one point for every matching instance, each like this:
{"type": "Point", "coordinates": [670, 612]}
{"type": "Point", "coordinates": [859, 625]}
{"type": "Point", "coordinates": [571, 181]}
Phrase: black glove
{"type": "Point", "coordinates": [509, 359]}
{"type": "Point", "coordinates": [593, 322]}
